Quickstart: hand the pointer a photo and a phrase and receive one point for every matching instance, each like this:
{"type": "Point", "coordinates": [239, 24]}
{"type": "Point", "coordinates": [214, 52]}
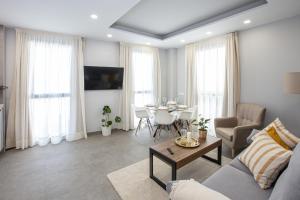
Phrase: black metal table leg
{"type": "Point", "coordinates": [174, 172]}
{"type": "Point", "coordinates": [167, 161]}
{"type": "Point", "coordinates": [151, 163]}
{"type": "Point", "coordinates": [220, 154]}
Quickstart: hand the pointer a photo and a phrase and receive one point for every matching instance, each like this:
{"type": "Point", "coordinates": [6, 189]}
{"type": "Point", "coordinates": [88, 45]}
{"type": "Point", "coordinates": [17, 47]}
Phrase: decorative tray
{"type": "Point", "coordinates": [183, 142]}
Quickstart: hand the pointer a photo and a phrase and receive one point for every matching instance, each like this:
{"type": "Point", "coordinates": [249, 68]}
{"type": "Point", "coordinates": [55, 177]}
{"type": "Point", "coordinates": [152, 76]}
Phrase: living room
{"type": "Point", "coordinates": [149, 99]}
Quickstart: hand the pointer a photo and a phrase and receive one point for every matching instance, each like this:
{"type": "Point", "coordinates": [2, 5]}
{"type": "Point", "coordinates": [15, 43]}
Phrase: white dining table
{"type": "Point", "coordinates": [172, 109]}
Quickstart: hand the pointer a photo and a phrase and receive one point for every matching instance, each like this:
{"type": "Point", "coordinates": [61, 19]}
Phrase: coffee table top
{"type": "Point", "coordinates": [182, 155]}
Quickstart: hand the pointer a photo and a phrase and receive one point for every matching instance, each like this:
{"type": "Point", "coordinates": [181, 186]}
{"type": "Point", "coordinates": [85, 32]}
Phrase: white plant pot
{"type": "Point", "coordinates": [106, 131]}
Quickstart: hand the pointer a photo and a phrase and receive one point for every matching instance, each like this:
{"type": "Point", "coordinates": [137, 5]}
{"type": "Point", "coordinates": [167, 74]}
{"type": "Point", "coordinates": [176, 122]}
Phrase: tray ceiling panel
{"type": "Point", "coordinates": [162, 17]}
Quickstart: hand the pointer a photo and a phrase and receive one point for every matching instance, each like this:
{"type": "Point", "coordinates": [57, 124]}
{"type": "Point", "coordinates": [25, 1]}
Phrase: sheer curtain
{"type": "Point", "coordinates": [213, 76]}
{"type": "Point", "coordinates": [210, 69]}
{"type": "Point", "coordinates": [49, 105]}
{"type": "Point", "coordinates": [142, 79]}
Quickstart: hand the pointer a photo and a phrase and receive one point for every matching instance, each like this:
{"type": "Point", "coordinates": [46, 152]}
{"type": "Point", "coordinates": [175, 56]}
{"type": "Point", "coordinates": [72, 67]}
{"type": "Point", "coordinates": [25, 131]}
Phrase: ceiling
{"type": "Point", "coordinates": [160, 18]}
{"type": "Point", "coordinates": [163, 23]}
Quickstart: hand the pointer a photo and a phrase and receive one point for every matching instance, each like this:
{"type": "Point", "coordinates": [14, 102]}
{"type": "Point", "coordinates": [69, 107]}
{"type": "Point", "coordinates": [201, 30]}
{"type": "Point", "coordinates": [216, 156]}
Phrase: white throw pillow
{"type": "Point", "coordinates": [193, 190]}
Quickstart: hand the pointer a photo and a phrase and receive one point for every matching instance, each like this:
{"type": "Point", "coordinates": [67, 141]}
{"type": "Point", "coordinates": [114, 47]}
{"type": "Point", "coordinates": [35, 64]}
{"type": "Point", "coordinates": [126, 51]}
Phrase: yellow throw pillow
{"type": "Point", "coordinates": [287, 137]}
{"type": "Point", "coordinates": [274, 135]}
{"type": "Point", "coordinates": [265, 159]}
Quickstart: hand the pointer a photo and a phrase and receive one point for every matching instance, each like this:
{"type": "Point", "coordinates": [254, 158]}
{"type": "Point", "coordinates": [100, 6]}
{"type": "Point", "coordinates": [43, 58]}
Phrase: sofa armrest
{"type": "Point", "coordinates": [226, 122]}
{"type": "Point", "coordinates": [240, 134]}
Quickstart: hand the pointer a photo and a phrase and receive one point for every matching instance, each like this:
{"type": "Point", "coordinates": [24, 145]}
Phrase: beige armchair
{"type": "Point", "coordinates": [235, 130]}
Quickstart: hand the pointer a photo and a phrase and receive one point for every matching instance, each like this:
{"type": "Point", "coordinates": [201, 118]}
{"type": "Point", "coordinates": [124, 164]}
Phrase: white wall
{"type": "Point", "coordinates": [267, 53]}
{"type": "Point", "coordinates": [100, 53]}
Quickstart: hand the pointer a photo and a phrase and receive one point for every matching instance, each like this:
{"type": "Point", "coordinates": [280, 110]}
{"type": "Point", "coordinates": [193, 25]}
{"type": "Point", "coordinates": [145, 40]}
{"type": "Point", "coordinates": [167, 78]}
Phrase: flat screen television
{"type": "Point", "coordinates": [103, 78]}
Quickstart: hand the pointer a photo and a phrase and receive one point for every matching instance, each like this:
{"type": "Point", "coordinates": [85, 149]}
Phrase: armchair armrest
{"type": "Point", "coordinates": [226, 122]}
{"type": "Point", "coordinates": [240, 134]}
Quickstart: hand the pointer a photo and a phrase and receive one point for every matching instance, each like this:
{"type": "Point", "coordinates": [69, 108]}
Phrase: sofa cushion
{"type": "Point", "coordinates": [274, 135]}
{"type": "Point", "coordinates": [265, 159]}
{"type": "Point", "coordinates": [236, 184]}
{"type": "Point", "coordinates": [288, 185]}
{"type": "Point", "coordinates": [290, 139]}
{"type": "Point", "coordinates": [226, 133]}
{"type": "Point", "coordinates": [236, 163]}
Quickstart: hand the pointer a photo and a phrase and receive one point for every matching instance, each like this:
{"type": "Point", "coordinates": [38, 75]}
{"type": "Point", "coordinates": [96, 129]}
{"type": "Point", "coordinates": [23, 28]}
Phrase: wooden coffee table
{"type": "Point", "coordinates": [183, 156]}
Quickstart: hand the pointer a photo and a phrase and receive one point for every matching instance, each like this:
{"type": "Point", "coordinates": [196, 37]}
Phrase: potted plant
{"type": "Point", "coordinates": [202, 127]}
{"type": "Point", "coordinates": [106, 122]}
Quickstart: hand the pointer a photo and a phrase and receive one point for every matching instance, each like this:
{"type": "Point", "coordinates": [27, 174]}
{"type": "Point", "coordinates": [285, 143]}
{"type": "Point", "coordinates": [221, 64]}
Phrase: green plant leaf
{"type": "Point", "coordinates": [118, 119]}
{"type": "Point", "coordinates": [106, 110]}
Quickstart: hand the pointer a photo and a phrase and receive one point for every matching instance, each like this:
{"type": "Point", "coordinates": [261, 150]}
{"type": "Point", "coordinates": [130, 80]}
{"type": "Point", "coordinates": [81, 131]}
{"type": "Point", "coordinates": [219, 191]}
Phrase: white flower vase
{"type": "Point", "coordinates": [106, 131]}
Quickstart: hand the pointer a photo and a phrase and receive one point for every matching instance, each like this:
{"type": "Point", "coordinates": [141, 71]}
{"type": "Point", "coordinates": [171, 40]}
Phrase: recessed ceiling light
{"type": "Point", "coordinates": [208, 33]}
{"type": "Point", "coordinates": [248, 21]}
{"type": "Point", "coordinates": [148, 43]}
{"type": "Point", "coordinates": [109, 35]}
{"type": "Point", "coordinates": [182, 41]}
{"type": "Point", "coordinates": [94, 16]}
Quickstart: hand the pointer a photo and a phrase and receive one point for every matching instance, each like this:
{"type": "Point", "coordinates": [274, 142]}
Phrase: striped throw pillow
{"type": "Point", "coordinates": [265, 158]}
{"type": "Point", "coordinates": [287, 137]}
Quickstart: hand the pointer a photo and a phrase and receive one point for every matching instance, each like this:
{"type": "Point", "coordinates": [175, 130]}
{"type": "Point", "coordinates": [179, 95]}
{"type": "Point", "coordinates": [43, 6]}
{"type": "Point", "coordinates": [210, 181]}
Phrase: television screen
{"type": "Point", "coordinates": [103, 78]}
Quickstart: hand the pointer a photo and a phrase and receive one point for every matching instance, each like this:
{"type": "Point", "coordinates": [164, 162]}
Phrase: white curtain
{"type": "Point", "coordinates": [232, 75]}
{"type": "Point", "coordinates": [191, 75]}
{"type": "Point", "coordinates": [142, 79]}
{"type": "Point", "coordinates": [213, 76]}
{"type": "Point", "coordinates": [210, 70]}
{"type": "Point", "coordinates": [47, 103]}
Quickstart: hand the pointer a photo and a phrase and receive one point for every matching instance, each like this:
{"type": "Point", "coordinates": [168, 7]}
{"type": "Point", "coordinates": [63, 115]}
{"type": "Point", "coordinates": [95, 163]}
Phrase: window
{"type": "Point", "coordinates": [50, 90]}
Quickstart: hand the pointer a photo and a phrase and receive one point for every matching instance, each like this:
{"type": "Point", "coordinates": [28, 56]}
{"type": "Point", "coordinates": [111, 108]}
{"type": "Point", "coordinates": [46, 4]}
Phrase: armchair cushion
{"type": "Point", "coordinates": [228, 122]}
{"type": "Point", "coordinates": [226, 133]}
{"type": "Point", "coordinates": [250, 113]}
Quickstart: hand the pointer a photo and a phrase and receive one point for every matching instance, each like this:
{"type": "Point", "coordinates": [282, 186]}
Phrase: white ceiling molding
{"type": "Point", "coordinates": [194, 25]}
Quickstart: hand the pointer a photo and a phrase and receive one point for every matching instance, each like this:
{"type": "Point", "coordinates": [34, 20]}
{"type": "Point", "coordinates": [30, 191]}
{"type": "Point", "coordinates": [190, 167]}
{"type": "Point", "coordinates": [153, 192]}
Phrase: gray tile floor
{"type": "Point", "coordinates": [71, 170]}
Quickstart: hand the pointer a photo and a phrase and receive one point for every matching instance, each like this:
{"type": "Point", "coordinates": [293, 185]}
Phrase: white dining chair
{"type": "Point", "coordinates": [164, 119]}
{"type": "Point", "coordinates": [142, 114]}
{"type": "Point", "coordinates": [187, 116]}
